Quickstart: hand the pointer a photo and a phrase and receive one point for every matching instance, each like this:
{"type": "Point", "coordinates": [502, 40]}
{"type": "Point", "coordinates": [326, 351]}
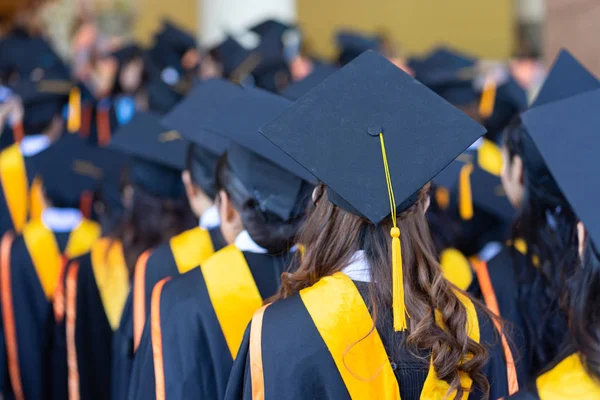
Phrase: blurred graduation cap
{"type": "Point", "coordinates": [237, 61]}
{"type": "Point", "coordinates": [157, 154]}
{"type": "Point", "coordinates": [26, 55]}
{"type": "Point", "coordinates": [175, 38]}
{"type": "Point", "coordinates": [162, 97]}
{"type": "Point", "coordinates": [352, 44]}
{"type": "Point", "coordinates": [189, 117]}
{"type": "Point", "coordinates": [566, 134]}
{"type": "Point", "coordinates": [298, 89]}
{"type": "Point", "coordinates": [567, 77]}
{"type": "Point", "coordinates": [357, 113]}
{"type": "Point", "coordinates": [271, 26]}
{"type": "Point", "coordinates": [267, 174]}
{"type": "Point", "coordinates": [127, 53]}
{"type": "Point", "coordinates": [286, 36]}
{"type": "Point", "coordinates": [72, 166]}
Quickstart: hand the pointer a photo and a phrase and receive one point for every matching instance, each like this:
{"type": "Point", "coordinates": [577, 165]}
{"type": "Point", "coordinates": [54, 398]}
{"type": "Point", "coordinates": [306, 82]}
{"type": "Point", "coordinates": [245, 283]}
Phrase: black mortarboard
{"type": "Point", "coordinates": [162, 97]}
{"type": "Point", "coordinates": [176, 38]}
{"type": "Point", "coordinates": [72, 166]}
{"type": "Point", "coordinates": [188, 119]}
{"type": "Point", "coordinates": [374, 136]}
{"type": "Point", "coordinates": [127, 53]}
{"type": "Point", "coordinates": [566, 134]}
{"type": "Point", "coordinates": [301, 87]}
{"type": "Point", "coordinates": [271, 26]}
{"type": "Point", "coordinates": [352, 44]}
{"type": "Point", "coordinates": [269, 175]}
{"type": "Point", "coordinates": [567, 77]}
{"type": "Point", "coordinates": [157, 153]}
{"type": "Point", "coordinates": [334, 125]}
{"type": "Point", "coordinates": [237, 61]}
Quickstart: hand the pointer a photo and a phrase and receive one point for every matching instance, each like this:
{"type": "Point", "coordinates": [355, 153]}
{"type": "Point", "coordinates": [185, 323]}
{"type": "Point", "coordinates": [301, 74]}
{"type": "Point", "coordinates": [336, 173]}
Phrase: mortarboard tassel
{"type": "Point", "coordinates": [488, 98]}
{"type": "Point", "coordinates": [74, 121]}
{"type": "Point", "coordinates": [465, 197]}
{"type": "Point", "coordinates": [18, 132]}
{"type": "Point", "coordinates": [489, 157]}
{"type": "Point", "coordinates": [398, 306]}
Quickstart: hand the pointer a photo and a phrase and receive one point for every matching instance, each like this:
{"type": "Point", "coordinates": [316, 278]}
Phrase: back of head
{"type": "Point", "coordinates": [269, 230]}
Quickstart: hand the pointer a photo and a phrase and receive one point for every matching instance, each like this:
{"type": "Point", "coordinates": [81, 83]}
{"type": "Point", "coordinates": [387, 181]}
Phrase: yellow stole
{"type": "Point", "coordinates": [456, 268]}
{"type": "Point", "coordinates": [45, 254]}
{"type": "Point", "coordinates": [15, 186]}
{"type": "Point", "coordinates": [345, 325]}
{"type": "Point", "coordinates": [112, 278]}
{"type": "Point", "coordinates": [568, 380]}
{"type": "Point", "coordinates": [233, 293]}
{"type": "Point", "coordinates": [191, 248]}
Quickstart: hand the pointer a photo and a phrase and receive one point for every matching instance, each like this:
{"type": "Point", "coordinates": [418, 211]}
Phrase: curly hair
{"type": "Point", "coordinates": [332, 236]}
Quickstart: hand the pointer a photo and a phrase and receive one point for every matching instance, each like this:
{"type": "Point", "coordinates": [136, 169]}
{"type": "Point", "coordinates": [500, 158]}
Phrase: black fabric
{"type": "Point", "coordinates": [197, 360]}
{"type": "Point", "coordinates": [301, 367]}
{"type": "Point", "coordinates": [122, 354]}
{"type": "Point", "coordinates": [202, 165]}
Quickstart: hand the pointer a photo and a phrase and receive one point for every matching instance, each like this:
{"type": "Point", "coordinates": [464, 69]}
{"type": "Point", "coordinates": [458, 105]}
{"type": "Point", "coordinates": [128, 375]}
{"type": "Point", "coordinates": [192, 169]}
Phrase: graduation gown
{"type": "Point", "coordinates": [31, 266]}
{"type": "Point", "coordinates": [182, 253]}
{"type": "Point", "coordinates": [96, 289]}
{"type": "Point", "coordinates": [197, 322]}
{"type": "Point", "coordinates": [566, 380]}
{"type": "Point", "coordinates": [316, 344]}
{"type": "Point", "coordinates": [20, 194]}
{"type": "Point", "coordinates": [498, 284]}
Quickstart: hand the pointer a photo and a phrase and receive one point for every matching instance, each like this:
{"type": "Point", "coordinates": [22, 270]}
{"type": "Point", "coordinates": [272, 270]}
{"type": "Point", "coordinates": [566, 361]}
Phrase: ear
{"type": "Point", "coordinates": [227, 213]}
{"type": "Point", "coordinates": [190, 189]}
{"type": "Point", "coordinates": [517, 165]}
{"type": "Point", "coordinates": [581, 236]}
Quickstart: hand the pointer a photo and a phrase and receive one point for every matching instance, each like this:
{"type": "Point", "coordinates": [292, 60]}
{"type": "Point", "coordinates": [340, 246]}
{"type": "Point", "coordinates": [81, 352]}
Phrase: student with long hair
{"type": "Point", "coordinates": [368, 313]}
{"type": "Point", "coordinates": [522, 282]}
{"type": "Point", "coordinates": [574, 373]}
{"type": "Point", "coordinates": [97, 331]}
{"type": "Point", "coordinates": [197, 320]}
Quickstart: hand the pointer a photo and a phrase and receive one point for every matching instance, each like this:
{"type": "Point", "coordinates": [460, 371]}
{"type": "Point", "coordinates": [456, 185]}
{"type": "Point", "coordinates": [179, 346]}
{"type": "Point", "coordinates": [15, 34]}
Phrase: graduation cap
{"type": "Point", "coordinates": [157, 154]}
{"type": "Point", "coordinates": [175, 38]}
{"type": "Point", "coordinates": [352, 44]}
{"type": "Point", "coordinates": [271, 26]}
{"type": "Point", "coordinates": [566, 134]}
{"type": "Point", "coordinates": [162, 97]}
{"type": "Point", "coordinates": [567, 77]}
{"type": "Point", "coordinates": [269, 175]}
{"type": "Point", "coordinates": [188, 118]}
{"type": "Point", "coordinates": [72, 166]}
{"type": "Point", "coordinates": [298, 89]}
{"type": "Point", "coordinates": [340, 132]}
{"type": "Point", "coordinates": [127, 53]}
{"type": "Point", "coordinates": [237, 61]}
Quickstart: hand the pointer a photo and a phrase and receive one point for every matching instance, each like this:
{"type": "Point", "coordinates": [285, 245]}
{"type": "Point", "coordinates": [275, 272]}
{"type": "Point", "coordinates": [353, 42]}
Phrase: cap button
{"type": "Point", "coordinates": [374, 131]}
{"type": "Point", "coordinates": [395, 232]}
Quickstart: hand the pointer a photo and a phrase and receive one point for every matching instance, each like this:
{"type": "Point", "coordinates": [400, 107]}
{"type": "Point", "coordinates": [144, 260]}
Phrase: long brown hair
{"type": "Point", "coordinates": [332, 236]}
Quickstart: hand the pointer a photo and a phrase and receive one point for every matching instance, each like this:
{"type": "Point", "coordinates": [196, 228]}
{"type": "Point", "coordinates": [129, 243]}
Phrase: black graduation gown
{"type": "Point", "coordinates": [6, 221]}
{"type": "Point", "coordinates": [504, 276]}
{"type": "Point", "coordinates": [161, 263]}
{"type": "Point", "coordinates": [96, 288]}
{"type": "Point", "coordinates": [196, 358]}
{"type": "Point", "coordinates": [29, 282]}
{"type": "Point", "coordinates": [297, 364]}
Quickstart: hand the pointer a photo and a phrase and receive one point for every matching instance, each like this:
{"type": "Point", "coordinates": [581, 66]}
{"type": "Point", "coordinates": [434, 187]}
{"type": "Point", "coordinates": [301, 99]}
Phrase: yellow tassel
{"type": "Point", "coordinates": [398, 305]}
{"type": "Point", "coordinates": [442, 197]}
{"type": "Point", "coordinates": [488, 98]}
{"type": "Point", "coordinates": [489, 157]}
{"type": "Point", "coordinates": [74, 121]}
{"type": "Point", "coordinates": [465, 198]}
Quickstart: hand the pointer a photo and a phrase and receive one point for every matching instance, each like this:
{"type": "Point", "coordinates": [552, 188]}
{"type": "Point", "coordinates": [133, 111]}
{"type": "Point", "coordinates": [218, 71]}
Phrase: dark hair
{"type": "Point", "coordinates": [584, 318]}
{"type": "Point", "coordinates": [332, 236]}
{"type": "Point", "coordinates": [150, 221]}
{"type": "Point", "coordinates": [117, 88]}
{"type": "Point", "coordinates": [547, 224]}
{"type": "Point", "coordinates": [265, 228]}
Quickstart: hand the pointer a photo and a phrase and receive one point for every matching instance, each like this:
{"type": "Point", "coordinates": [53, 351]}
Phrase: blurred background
{"type": "Point", "coordinates": [498, 29]}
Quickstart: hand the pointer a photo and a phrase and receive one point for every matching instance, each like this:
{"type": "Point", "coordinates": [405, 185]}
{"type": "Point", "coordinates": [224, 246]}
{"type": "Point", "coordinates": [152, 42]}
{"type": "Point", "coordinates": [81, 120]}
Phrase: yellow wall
{"type": "Point", "coordinates": [151, 13]}
{"type": "Point", "coordinates": [484, 28]}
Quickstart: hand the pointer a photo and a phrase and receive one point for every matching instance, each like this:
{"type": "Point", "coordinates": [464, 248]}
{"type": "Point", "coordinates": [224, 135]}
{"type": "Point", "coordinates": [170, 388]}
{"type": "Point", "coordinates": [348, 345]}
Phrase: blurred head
{"type": "Point", "coordinates": [332, 236]}
{"type": "Point", "coordinates": [199, 179]}
{"type": "Point", "coordinates": [131, 75]}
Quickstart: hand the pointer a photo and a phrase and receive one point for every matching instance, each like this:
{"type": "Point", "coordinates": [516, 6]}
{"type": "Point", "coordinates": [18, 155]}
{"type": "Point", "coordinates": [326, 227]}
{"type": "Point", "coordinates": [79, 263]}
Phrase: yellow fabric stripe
{"type": "Point", "coordinates": [568, 380]}
{"type": "Point", "coordinates": [36, 199]}
{"type": "Point", "coordinates": [435, 388]}
{"type": "Point", "coordinates": [14, 185]}
{"type": "Point", "coordinates": [489, 157]}
{"type": "Point", "coordinates": [74, 120]}
{"type": "Point", "coordinates": [45, 255]}
{"type": "Point", "coordinates": [343, 320]}
{"type": "Point", "coordinates": [191, 248]}
{"type": "Point", "coordinates": [112, 278]}
{"type": "Point", "coordinates": [82, 238]}
{"type": "Point", "coordinates": [233, 293]}
{"type": "Point", "coordinates": [456, 268]}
